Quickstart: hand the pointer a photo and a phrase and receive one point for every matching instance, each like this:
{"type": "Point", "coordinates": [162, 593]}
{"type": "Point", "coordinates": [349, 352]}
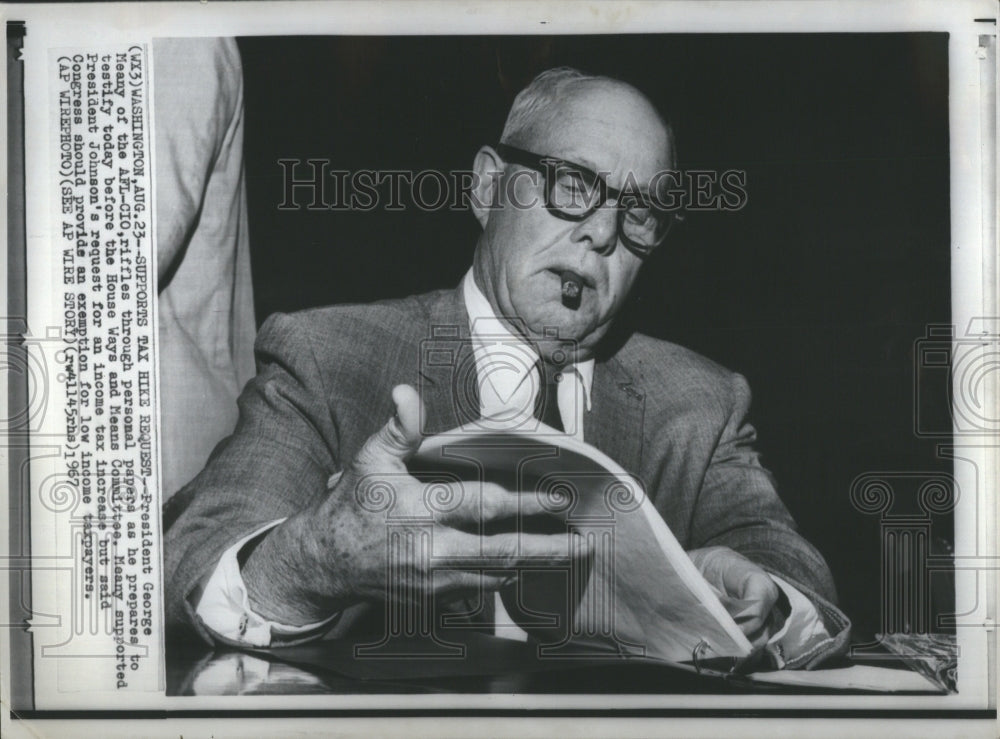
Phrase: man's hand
{"type": "Point", "coordinates": [748, 593]}
{"type": "Point", "coordinates": [334, 553]}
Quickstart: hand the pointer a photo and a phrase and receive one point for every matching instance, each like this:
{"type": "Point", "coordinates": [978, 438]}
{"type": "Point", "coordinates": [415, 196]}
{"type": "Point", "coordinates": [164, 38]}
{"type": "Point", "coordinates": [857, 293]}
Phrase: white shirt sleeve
{"type": "Point", "coordinates": [223, 606]}
{"type": "Point", "coordinates": [803, 628]}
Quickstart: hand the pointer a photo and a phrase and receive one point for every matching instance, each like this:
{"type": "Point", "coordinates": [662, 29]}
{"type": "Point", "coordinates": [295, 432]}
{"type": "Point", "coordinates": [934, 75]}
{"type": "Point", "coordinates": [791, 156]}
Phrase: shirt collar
{"type": "Point", "coordinates": [495, 346]}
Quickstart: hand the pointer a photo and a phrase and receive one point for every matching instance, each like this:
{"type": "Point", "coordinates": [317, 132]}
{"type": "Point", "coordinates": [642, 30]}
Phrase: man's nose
{"type": "Point", "coordinates": [599, 230]}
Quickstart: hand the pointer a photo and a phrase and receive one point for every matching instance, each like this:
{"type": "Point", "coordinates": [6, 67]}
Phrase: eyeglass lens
{"type": "Point", "coordinates": [578, 193]}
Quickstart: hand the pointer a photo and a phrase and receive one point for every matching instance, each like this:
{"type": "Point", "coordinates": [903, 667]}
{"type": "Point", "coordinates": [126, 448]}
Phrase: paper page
{"type": "Point", "coordinates": [855, 677]}
{"type": "Point", "coordinates": [639, 595]}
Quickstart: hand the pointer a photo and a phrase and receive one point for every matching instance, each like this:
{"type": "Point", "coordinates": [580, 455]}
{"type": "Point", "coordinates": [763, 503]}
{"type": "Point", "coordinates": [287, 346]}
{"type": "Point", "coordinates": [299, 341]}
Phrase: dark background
{"type": "Point", "coordinates": [816, 291]}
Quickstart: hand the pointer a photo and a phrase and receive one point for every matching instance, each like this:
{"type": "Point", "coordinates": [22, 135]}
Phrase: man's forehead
{"type": "Point", "coordinates": [607, 127]}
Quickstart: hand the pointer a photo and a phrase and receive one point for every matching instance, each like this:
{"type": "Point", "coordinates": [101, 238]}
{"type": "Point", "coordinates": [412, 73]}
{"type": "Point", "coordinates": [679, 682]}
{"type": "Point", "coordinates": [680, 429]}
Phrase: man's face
{"type": "Point", "coordinates": [609, 129]}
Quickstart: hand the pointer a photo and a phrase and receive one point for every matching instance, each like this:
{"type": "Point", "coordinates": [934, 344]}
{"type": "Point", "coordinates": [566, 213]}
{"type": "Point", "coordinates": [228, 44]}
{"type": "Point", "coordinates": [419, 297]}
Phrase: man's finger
{"type": "Point", "coordinates": [389, 447]}
{"type": "Point", "coordinates": [492, 503]}
{"type": "Point", "coordinates": [758, 596]}
{"type": "Point", "coordinates": [467, 583]}
{"type": "Point", "coordinates": [409, 409]}
{"type": "Point", "coordinates": [749, 615]}
{"type": "Point", "coordinates": [509, 550]}
{"type": "Point", "coordinates": [762, 591]}
{"type": "Point", "coordinates": [760, 588]}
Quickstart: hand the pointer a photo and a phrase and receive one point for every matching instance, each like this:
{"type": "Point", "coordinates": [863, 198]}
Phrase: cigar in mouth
{"type": "Point", "coordinates": [572, 287]}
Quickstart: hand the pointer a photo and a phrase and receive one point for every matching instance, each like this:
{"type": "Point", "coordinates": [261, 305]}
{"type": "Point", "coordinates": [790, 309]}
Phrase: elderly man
{"type": "Point", "coordinates": [273, 545]}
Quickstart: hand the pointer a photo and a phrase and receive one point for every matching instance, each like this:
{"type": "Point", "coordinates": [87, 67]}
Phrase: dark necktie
{"type": "Point", "coordinates": [547, 403]}
{"type": "Point", "coordinates": [546, 411]}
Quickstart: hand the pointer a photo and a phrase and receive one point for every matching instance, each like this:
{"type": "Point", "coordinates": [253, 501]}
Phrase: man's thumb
{"type": "Point", "coordinates": [400, 437]}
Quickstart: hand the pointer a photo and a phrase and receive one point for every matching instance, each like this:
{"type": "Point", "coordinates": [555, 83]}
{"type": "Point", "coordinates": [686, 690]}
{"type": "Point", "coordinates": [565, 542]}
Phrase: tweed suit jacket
{"type": "Point", "coordinates": [671, 418]}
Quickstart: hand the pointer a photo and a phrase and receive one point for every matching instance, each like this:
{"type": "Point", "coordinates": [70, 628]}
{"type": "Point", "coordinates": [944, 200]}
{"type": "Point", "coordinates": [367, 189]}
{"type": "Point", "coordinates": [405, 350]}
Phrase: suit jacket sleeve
{"type": "Point", "coordinates": [279, 458]}
{"type": "Point", "coordinates": [738, 507]}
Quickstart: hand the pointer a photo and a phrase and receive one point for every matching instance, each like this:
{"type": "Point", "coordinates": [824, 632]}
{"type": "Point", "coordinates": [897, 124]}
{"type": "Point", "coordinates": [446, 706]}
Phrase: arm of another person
{"type": "Point", "coordinates": [199, 119]}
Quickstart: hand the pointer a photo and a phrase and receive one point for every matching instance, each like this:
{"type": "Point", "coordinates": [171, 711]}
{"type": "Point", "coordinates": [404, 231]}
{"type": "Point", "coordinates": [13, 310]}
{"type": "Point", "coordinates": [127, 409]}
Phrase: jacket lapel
{"type": "Point", "coordinates": [447, 366]}
{"type": "Point", "coordinates": [449, 387]}
{"type": "Point", "coordinates": [615, 423]}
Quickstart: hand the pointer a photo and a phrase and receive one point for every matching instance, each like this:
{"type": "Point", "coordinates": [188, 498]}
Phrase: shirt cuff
{"type": "Point", "coordinates": [223, 606]}
{"type": "Point", "coordinates": [803, 628]}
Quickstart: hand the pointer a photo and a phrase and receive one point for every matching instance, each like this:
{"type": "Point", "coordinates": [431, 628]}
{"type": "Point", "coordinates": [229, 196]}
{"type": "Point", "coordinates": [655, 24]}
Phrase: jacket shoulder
{"type": "Point", "coordinates": [353, 326]}
{"type": "Point", "coordinates": [669, 374]}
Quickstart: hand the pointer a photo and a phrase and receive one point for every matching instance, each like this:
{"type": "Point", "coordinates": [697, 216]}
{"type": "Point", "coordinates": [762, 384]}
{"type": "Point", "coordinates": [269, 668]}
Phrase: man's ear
{"type": "Point", "coordinates": [487, 168]}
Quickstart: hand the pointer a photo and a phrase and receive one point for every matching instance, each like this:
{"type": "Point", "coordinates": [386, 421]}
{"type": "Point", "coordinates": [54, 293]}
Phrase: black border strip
{"type": "Point", "coordinates": [520, 712]}
{"type": "Point", "coordinates": [22, 679]}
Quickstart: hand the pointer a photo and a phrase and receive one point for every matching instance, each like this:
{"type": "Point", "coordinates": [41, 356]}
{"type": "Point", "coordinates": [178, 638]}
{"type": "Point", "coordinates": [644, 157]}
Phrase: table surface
{"type": "Point", "coordinates": [468, 662]}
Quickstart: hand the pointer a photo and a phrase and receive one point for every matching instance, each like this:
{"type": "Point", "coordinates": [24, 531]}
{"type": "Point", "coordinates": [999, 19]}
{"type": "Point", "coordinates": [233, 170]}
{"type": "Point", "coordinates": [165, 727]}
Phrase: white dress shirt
{"type": "Point", "coordinates": [509, 380]}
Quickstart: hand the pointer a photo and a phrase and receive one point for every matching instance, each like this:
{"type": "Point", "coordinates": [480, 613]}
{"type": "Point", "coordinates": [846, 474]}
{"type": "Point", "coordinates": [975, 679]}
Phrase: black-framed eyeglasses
{"type": "Point", "coordinates": [574, 192]}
